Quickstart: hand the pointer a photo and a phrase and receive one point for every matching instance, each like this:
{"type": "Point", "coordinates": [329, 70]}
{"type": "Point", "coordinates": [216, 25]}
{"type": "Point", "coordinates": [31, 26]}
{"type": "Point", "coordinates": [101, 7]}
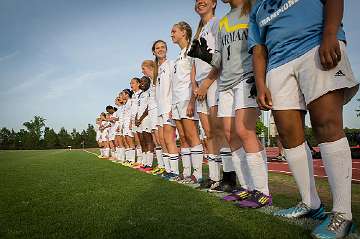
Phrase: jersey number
{"type": "Point", "coordinates": [229, 53]}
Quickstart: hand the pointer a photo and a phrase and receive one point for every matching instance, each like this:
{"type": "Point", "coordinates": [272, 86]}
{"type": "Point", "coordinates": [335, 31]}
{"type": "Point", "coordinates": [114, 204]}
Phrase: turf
{"type": "Point", "coordinates": [72, 194]}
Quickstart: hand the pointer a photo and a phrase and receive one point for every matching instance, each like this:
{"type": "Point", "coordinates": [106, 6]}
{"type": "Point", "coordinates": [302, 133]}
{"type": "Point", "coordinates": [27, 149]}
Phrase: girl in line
{"type": "Point", "coordinates": [237, 104]}
{"type": "Point", "coordinates": [192, 154]}
{"type": "Point", "coordinates": [134, 85]}
{"type": "Point", "coordinates": [163, 73]}
{"type": "Point", "coordinates": [127, 132]}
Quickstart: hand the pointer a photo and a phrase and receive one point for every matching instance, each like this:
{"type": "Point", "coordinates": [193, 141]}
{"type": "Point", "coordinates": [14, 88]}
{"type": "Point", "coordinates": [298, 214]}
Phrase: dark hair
{"type": "Point", "coordinates": [135, 78]}
{"type": "Point", "coordinates": [146, 78]}
{"type": "Point", "coordinates": [115, 109]}
{"type": "Point", "coordinates": [109, 107]}
{"type": "Point", "coordinates": [129, 92]}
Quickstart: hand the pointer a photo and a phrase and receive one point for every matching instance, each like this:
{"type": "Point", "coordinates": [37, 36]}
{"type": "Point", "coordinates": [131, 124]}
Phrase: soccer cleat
{"type": "Point", "coordinates": [176, 178]}
{"type": "Point", "coordinates": [215, 187]}
{"type": "Point", "coordinates": [334, 226]}
{"type": "Point", "coordinates": [169, 175]}
{"type": "Point", "coordinates": [159, 171]}
{"type": "Point", "coordinates": [302, 210]}
{"type": "Point", "coordinates": [238, 195]}
{"type": "Point", "coordinates": [206, 184]}
{"type": "Point", "coordinates": [256, 200]}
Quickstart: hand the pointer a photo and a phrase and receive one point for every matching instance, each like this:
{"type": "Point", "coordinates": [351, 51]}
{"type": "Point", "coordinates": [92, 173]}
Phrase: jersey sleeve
{"type": "Point", "coordinates": [254, 32]}
{"type": "Point", "coordinates": [216, 57]}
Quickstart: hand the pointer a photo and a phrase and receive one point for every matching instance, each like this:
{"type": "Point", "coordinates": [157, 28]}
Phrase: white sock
{"type": "Point", "coordinates": [174, 163]}
{"type": "Point", "coordinates": [166, 159]}
{"type": "Point", "coordinates": [242, 169]}
{"type": "Point", "coordinates": [107, 152]}
{"type": "Point", "coordinates": [127, 154]}
{"type": "Point", "coordinates": [301, 165]}
{"type": "Point", "coordinates": [337, 161]}
{"type": "Point", "coordinates": [132, 155]}
{"type": "Point", "coordinates": [226, 158]}
{"type": "Point", "coordinates": [197, 157]}
{"type": "Point", "coordinates": [159, 157]}
{"type": "Point", "coordinates": [150, 158]}
{"type": "Point", "coordinates": [121, 154]}
{"type": "Point", "coordinates": [185, 154]}
{"type": "Point", "coordinates": [101, 151]}
{"type": "Point", "coordinates": [258, 171]}
{"type": "Point", "coordinates": [139, 155]}
{"type": "Point", "coordinates": [112, 153]}
{"type": "Point", "coordinates": [214, 167]}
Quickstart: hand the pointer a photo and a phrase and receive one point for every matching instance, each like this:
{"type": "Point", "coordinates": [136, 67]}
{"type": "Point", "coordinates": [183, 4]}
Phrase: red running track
{"type": "Point", "coordinates": [282, 167]}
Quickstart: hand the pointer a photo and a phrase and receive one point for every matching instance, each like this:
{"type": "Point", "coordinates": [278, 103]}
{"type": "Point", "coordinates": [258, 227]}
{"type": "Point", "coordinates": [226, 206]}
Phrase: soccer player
{"type": "Point", "coordinates": [134, 85]}
{"type": "Point", "coordinates": [301, 64]}
{"type": "Point", "coordinates": [163, 74]}
{"type": "Point", "coordinates": [183, 104]}
{"type": "Point", "coordinates": [147, 68]}
{"type": "Point", "coordinates": [205, 88]}
{"type": "Point", "coordinates": [143, 122]}
{"type": "Point", "coordinates": [119, 138]}
{"type": "Point", "coordinates": [127, 132]}
{"type": "Point", "coordinates": [237, 104]}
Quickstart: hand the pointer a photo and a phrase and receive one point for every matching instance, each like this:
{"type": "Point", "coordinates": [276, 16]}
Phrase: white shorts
{"type": "Point", "coordinates": [145, 125]}
{"type": "Point", "coordinates": [104, 136]}
{"type": "Point", "coordinates": [98, 136]}
{"type": "Point", "coordinates": [299, 82]}
{"type": "Point", "coordinates": [236, 98]}
{"type": "Point", "coordinates": [127, 131]}
{"type": "Point", "coordinates": [153, 113]}
{"type": "Point", "coordinates": [179, 111]}
{"type": "Point", "coordinates": [165, 120]}
{"type": "Point", "coordinates": [135, 129]}
{"type": "Point", "coordinates": [212, 99]}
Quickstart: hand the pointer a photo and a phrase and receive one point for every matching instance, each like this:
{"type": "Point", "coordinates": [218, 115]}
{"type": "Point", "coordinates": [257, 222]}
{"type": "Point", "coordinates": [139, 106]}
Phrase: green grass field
{"type": "Point", "coordinates": [73, 194]}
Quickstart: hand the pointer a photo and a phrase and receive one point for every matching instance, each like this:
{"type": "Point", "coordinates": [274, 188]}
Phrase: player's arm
{"type": "Point", "coordinates": [329, 50]}
{"type": "Point", "coordinates": [194, 85]}
{"type": "Point", "coordinates": [142, 117]}
{"type": "Point", "coordinates": [259, 65]}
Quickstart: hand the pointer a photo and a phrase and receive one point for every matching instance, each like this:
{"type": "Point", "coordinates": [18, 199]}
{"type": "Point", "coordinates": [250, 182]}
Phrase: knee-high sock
{"type": "Point", "coordinates": [197, 157]}
{"type": "Point", "coordinates": [150, 158]}
{"type": "Point", "coordinates": [242, 169]}
{"type": "Point", "coordinates": [185, 154]}
{"type": "Point", "coordinates": [166, 159]}
{"type": "Point", "coordinates": [338, 166]}
{"type": "Point", "coordinates": [214, 167]}
{"type": "Point", "coordinates": [159, 158]}
{"type": "Point", "coordinates": [174, 163]}
{"type": "Point", "coordinates": [139, 155]}
{"type": "Point", "coordinates": [121, 154]}
{"type": "Point", "coordinates": [132, 155]}
{"type": "Point", "coordinates": [226, 157]}
{"type": "Point", "coordinates": [258, 171]}
{"type": "Point", "coordinates": [300, 162]}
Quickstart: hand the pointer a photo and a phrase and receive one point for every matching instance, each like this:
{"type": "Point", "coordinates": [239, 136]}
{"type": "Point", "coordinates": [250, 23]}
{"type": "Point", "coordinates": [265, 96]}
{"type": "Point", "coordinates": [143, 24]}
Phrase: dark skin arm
{"type": "Point", "coordinates": [259, 63]}
{"type": "Point", "coordinates": [329, 50]}
{"type": "Point", "coordinates": [142, 117]}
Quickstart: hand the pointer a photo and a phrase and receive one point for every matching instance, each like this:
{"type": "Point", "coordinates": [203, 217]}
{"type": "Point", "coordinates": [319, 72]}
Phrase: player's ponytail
{"type": "Point", "coordinates": [184, 26]}
{"type": "Point", "coordinates": [201, 24]}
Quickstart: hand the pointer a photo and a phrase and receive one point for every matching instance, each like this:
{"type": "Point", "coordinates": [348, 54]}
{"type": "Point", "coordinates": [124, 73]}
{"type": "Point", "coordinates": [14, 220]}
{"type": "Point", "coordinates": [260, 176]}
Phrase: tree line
{"type": "Point", "coordinates": [37, 135]}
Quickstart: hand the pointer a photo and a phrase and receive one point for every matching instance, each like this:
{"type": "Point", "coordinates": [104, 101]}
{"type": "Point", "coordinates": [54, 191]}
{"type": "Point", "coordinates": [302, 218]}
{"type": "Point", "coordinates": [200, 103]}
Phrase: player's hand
{"type": "Point", "coordinates": [329, 51]}
{"type": "Point", "coordinates": [264, 98]}
{"type": "Point", "coordinates": [199, 49]}
{"type": "Point", "coordinates": [190, 109]}
{"type": "Point", "coordinates": [201, 93]}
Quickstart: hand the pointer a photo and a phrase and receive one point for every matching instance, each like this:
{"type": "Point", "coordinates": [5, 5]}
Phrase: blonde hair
{"type": "Point", "coordinates": [184, 26]}
{"type": "Point", "coordinates": [156, 60]}
{"type": "Point", "coordinates": [149, 64]}
{"type": "Point", "coordinates": [201, 24]}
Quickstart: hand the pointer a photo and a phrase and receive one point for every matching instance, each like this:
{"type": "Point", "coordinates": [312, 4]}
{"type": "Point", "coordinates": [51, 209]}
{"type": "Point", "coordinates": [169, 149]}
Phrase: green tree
{"type": "Point", "coordinates": [5, 135]}
{"type": "Point", "coordinates": [90, 137]}
{"type": "Point", "coordinates": [64, 138]}
{"type": "Point", "coordinates": [51, 140]}
{"type": "Point", "coordinates": [35, 129]}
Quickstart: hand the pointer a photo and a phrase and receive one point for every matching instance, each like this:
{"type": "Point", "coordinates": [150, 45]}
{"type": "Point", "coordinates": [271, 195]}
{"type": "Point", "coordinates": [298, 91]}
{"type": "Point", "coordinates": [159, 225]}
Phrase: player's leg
{"type": "Point", "coordinates": [170, 142]}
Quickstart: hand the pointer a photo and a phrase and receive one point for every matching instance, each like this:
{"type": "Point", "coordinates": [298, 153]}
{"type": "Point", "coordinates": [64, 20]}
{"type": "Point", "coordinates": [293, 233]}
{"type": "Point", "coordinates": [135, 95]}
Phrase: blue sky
{"type": "Point", "coordinates": [66, 60]}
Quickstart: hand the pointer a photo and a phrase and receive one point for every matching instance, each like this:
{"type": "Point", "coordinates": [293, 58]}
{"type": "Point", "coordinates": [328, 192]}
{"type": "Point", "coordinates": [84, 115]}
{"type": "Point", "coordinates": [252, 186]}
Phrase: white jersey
{"type": "Point", "coordinates": [152, 100]}
{"type": "Point", "coordinates": [181, 84]}
{"type": "Point", "coordinates": [143, 102]}
{"type": "Point", "coordinates": [127, 113]}
{"type": "Point", "coordinates": [209, 32]}
{"type": "Point", "coordinates": [163, 87]}
{"type": "Point", "coordinates": [134, 104]}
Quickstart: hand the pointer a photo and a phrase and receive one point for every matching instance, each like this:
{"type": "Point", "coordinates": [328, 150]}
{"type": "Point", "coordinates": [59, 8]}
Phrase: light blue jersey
{"type": "Point", "coordinates": [288, 28]}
